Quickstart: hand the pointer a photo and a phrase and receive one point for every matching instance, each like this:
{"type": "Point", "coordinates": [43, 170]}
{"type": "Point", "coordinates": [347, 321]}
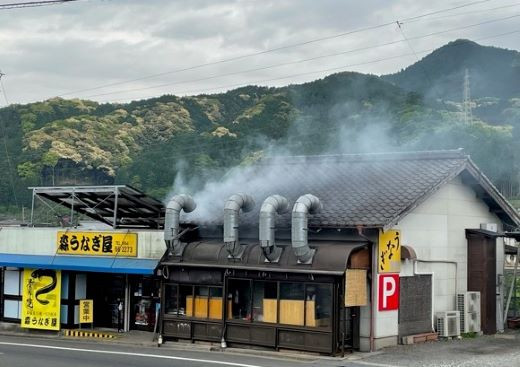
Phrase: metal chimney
{"type": "Point", "coordinates": [234, 204]}
{"type": "Point", "coordinates": [274, 204]}
{"type": "Point", "coordinates": [171, 222]}
{"type": "Point", "coordinates": [305, 205]}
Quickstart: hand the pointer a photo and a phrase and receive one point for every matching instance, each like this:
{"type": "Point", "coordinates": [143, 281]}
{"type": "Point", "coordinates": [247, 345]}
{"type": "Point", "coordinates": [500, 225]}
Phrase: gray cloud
{"type": "Point", "coordinates": [50, 50]}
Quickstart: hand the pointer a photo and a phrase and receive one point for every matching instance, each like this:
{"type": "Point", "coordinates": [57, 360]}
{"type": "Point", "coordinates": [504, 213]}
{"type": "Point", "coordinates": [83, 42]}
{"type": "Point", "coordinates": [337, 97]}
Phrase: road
{"type": "Point", "coordinates": [22, 351]}
{"type": "Point", "coordinates": [30, 351]}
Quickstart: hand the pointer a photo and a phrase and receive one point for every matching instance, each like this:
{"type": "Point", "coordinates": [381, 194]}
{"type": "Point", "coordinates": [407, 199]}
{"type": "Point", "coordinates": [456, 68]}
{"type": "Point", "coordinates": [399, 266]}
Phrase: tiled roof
{"type": "Point", "coordinates": [367, 189]}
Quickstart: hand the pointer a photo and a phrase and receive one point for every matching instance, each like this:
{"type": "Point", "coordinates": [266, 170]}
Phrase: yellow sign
{"type": "Point", "coordinates": [355, 287]}
{"type": "Point", "coordinates": [41, 299]}
{"type": "Point", "coordinates": [86, 311]}
{"type": "Point", "coordinates": [97, 243]}
{"type": "Point", "coordinates": [389, 253]}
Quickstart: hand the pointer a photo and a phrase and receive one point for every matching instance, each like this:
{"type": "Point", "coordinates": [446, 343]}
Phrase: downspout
{"type": "Point", "coordinates": [234, 204]}
{"type": "Point", "coordinates": [172, 222]}
{"type": "Point", "coordinates": [415, 272]}
{"type": "Point", "coordinates": [274, 204]}
{"type": "Point", "coordinates": [305, 205]}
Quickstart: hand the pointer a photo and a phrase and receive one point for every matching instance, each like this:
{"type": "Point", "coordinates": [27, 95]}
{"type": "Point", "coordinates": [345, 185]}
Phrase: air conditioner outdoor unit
{"type": "Point", "coordinates": [448, 323]}
{"type": "Point", "coordinates": [468, 304]}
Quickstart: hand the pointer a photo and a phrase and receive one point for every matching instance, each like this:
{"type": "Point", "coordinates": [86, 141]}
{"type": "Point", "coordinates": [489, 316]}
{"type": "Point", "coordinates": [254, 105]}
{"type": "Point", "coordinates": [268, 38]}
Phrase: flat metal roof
{"type": "Point", "coordinates": [119, 206]}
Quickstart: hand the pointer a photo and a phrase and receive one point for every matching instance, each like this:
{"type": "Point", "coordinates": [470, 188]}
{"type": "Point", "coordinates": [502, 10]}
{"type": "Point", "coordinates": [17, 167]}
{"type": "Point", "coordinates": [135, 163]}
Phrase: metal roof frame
{"type": "Point", "coordinates": [119, 206]}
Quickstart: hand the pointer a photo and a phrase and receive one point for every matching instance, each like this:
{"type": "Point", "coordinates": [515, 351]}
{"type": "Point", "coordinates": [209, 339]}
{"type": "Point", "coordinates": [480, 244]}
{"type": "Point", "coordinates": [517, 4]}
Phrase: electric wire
{"type": "Point", "coordinates": [340, 68]}
{"type": "Point", "coordinates": [276, 49]}
{"type": "Point", "coordinates": [404, 40]}
{"type": "Point", "coordinates": [33, 4]}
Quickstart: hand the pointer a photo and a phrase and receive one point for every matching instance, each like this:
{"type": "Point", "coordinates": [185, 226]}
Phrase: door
{"type": "Point", "coordinates": [482, 276]}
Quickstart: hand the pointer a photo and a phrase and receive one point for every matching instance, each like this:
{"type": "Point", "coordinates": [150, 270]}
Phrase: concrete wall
{"type": "Point", "coordinates": [42, 241]}
{"type": "Point", "coordinates": [436, 231]}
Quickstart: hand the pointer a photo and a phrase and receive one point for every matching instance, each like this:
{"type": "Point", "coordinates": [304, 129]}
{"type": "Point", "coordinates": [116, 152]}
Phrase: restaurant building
{"type": "Point", "coordinates": [321, 254]}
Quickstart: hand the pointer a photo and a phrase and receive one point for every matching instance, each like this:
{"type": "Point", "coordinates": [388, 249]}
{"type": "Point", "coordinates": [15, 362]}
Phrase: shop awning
{"type": "Point", "coordinates": [331, 257]}
{"type": "Point", "coordinates": [76, 263]}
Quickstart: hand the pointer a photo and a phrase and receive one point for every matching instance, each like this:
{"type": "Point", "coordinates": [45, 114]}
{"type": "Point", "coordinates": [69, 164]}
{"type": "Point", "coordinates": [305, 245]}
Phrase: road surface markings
{"type": "Point", "coordinates": [365, 363]}
{"type": "Point", "coordinates": [129, 354]}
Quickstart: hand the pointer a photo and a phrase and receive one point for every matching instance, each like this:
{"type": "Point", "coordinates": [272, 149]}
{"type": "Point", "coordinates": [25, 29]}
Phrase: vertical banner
{"type": "Point", "coordinates": [86, 311]}
{"type": "Point", "coordinates": [356, 287]}
{"type": "Point", "coordinates": [389, 251]}
{"type": "Point", "coordinates": [388, 292]}
{"type": "Point", "coordinates": [41, 299]}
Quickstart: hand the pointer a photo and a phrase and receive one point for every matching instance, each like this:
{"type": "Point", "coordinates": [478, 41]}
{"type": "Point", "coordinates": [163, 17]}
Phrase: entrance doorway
{"type": "Point", "coordinates": [107, 291]}
{"type": "Point", "coordinates": [144, 301]}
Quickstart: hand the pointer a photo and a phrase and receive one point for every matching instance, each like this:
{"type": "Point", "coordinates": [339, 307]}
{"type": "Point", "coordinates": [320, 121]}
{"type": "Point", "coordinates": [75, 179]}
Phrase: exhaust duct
{"type": "Point", "coordinates": [305, 205]}
{"type": "Point", "coordinates": [234, 204]}
{"type": "Point", "coordinates": [172, 222]}
{"type": "Point", "coordinates": [274, 204]}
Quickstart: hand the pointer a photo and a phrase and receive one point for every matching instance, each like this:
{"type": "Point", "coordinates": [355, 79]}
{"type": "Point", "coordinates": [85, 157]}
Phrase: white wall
{"type": "Point", "coordinates": [42, 241]}
{"type": "Point", "coordinates": [436, 231]}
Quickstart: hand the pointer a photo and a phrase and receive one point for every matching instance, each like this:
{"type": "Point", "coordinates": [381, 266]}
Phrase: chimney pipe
{"type": "Point", "coordinates": [305, 205]}
{"type": "Point", "coordinates": [234, 204]}
{"type": "Point", "coordinates": [172, 222]}
{"type": "Point", "coordinates": [274, 204]}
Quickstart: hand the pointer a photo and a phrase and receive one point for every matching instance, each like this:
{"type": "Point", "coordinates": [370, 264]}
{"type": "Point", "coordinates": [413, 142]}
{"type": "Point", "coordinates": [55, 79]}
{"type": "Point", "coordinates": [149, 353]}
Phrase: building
{"type": "Point", "coordinates": [382, 243]}
{"type": "Point", "coordinates": [111, 262]}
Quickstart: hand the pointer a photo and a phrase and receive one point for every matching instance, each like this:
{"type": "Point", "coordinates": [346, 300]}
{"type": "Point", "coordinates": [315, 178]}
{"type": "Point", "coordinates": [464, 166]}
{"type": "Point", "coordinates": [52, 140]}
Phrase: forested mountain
{"type": "Point", "coordinates": [156, 143]}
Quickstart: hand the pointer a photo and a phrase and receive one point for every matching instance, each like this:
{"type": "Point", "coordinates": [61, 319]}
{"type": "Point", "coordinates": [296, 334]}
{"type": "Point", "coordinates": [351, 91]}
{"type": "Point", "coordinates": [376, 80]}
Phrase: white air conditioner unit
{"type": "Point", "coordinates": [468, 304]}
{"type": "Point", "coordinates": [448, 323]}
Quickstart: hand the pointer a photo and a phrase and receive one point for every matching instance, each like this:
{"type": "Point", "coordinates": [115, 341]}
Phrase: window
{"type": "Point", "coordinates": [265, 301]}
{"type": "Point", "coordinates": [239, 296]}
{"type": "Point", "coordinates": [12, 293]}
{"type": "Point", "coordinates": [185, 300]}
{"type": "Point", "coordinates": [170, 299]}
{"type": "Point", "coordinates": [318, 304]}
{"type": "Point", "coordinates": [193, 301]}
{"type": "Point", "coordinates": [292, 303]}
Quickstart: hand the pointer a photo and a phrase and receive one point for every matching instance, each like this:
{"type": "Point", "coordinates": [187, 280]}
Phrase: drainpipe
{"type": "Point", "coordinates": [305, 205]}
{"type": "Point", "coordinates": [432, 274]}
{"type": "Point", "coordinates": [234, 204]}
{"type": "Point", "coordinates": [415, 272]}
{"type": "Point", "coordinates": [274, 204]}
{"type": "Point", "coordinates": [172, 222]}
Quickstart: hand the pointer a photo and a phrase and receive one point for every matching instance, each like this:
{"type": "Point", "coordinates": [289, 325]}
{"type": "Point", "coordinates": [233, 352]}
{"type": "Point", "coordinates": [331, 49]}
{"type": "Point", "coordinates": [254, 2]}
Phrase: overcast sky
{"type": "Point", "coordinates": [63, 49]}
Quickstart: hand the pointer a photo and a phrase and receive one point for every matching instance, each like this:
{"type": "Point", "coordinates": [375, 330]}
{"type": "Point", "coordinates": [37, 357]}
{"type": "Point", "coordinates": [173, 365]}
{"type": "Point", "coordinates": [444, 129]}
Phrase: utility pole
{"type": "Point", "coordinates": [466, 99]}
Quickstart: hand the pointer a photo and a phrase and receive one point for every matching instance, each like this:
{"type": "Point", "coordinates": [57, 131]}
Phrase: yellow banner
{"type": "Point", "coordinates": [97, 243]}
{"type": "Point", "coordinates": [41, 299]}
{"type": "Point", "coordinates": [389, 253]}
{"type": "Point", "coordinates": [86, 311]}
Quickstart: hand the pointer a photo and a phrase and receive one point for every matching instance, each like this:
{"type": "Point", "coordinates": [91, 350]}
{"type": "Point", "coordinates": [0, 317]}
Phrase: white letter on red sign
{"type": "Point", "coordinates": [388, 291]}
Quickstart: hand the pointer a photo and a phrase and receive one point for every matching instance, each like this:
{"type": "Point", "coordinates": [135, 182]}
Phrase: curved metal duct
{"type": "Point", "coordinates": [172, 221]}
{"type": "Point", "coordinates": [234, 204]}
{"type": "Point", "coordinates": [274, 204]}
{"type": "Point", "coordinates": [305, 205]}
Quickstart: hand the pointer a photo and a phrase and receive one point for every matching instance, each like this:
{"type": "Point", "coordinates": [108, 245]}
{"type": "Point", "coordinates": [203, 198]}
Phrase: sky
{"type": "Point", "coordinates": [123, 50]}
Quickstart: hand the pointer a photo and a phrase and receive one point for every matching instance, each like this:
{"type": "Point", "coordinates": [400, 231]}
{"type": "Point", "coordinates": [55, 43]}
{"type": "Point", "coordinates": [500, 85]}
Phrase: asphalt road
{"type": "Point", "coordinates": [18, 351]}
{"type": "Point", "coordinates": [31, 351]}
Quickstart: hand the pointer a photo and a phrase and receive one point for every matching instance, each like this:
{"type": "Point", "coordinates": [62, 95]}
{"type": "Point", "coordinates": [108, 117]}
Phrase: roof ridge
{"type": "Point", "coordinates": [363, 157]}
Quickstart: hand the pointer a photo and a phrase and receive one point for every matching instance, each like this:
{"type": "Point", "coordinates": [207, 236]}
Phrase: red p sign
{"type": "Point", "coordinates": [388, 292]}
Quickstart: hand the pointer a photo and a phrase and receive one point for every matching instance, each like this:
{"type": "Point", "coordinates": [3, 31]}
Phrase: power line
{"type": "Point", "coordinates": [340, 68]}
{"type": "Point", "coordinates": [244, 56]}
{"type": "Point", "coordinates": [2, 123]}
{"type": "Point", "coordinates": [407, 40]}
{"type": "Point", "coordinates": [33, 4]}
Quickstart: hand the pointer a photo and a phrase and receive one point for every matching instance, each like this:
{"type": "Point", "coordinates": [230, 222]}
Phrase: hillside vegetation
{"type": "Point", "coordinates": [155, 143]}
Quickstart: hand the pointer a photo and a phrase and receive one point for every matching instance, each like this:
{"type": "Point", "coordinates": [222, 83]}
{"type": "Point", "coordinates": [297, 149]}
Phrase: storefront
{"type": "Point", "coordinates": [280, 305]}
{"type": "Point", "coordinates": [124, 289]}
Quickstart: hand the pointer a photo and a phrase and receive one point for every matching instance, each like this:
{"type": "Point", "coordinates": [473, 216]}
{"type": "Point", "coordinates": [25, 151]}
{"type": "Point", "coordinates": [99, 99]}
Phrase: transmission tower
{"type": "Point", "coordinates": [466, 99]}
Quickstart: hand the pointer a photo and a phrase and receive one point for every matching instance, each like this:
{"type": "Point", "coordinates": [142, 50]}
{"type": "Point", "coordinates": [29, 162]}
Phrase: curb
{"type": "Point", "coordinates": [87, 334]}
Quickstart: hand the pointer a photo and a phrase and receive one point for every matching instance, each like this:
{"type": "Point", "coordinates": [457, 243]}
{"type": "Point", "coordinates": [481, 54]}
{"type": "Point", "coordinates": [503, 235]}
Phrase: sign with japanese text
{"type": "Point", "coordinates": [86, 311]}
{"type": "Point", "coordinates": [97, 243]}
{"type": "Point", "coordinates": [388, 292]}
{"type": "Point", "coordinates": [41, 299]}
{"type": "Point", "coordinates": [356, 287]}
{"type": "Point", "coordinates": [389, 251]}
